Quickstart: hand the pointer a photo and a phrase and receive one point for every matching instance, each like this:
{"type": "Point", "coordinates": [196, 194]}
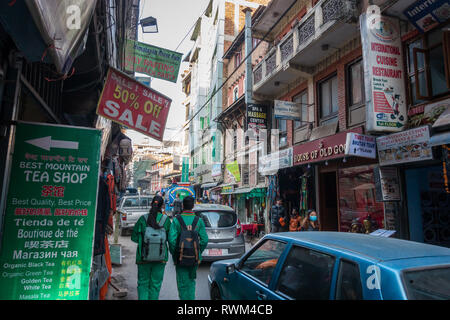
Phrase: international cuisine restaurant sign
{"type": "Point", "coordinates": [384, 74]}
{"type": "Point", "coordinates": [403, 147]}
{"type": "Point", "coordinates": [130, 103]}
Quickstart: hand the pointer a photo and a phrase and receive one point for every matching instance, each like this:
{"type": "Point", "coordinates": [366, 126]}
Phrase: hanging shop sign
{"type": "Point", "coordinates": [227, 189]}
{"type": "Point", "coordinates": [287, 110]}
{"type": "Point", "coordinates": [387, 184]}
{"type": "Point", "coordinates": [271, 163]}
{"type": "Point", "coordinates": [328, 148]}
{"type": "Point", "coordinates": [256, 116]}
{"type": "Point", "coordinates": [360, 145]}
{"type": "Point", "coordinates": [151, 60]}
{"type": "Point", "coordinates": [406, 146]}
{"type": "Point", "coordinates": [185, 170]}
{"type": "Point", "coordinates": [435, 113]}
{"type": "Point", "coordinates": [216, 170]}
{"type": "Point", "coordinates": [426, 14]}
{"type": "Point", "coordinates": [49, 222]}
{"type": "Point", "coordinates": [383, 73]}
{"type": "Point", "coordinates": [233, 169]}
{"type": "Point", "coordinates": [146, 81]}
{"type": "Point", "coordinates": [129, 103]}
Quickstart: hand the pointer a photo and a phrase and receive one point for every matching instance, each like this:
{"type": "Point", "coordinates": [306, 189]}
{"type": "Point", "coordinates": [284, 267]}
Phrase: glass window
{"type": "Point", "coordinates": [349, 282]}
{"type": "Point", "coordinates": [282, 127]}
{"type": "Point", "coordinates": [428, 70]}
{"type": "Point", "coordinates": [325, 99]}
{"type": "Point", "coordinates": [429, 284]}
{"type": "Point", "coordinates": [359, 211]}
{"type": "Point", "coordinates": [356, 83]}
{"type": "Point", "coordinates": [261, 263]}
{"type": "Point", "coordinates": [302, 98]}
{"type": "Point", "coordinates": [237, 59]}
{"type": "Point", "coordinates": [235, 93]}
{"type": "Point", "coordinates": [328, 97]}
{"type": "Point", "coordinates": [145, 202]}
{"type": "Point", "coordinates": [131, 202]}
{"type": "Point", "coordinates": [219, 219]}
{"type": "Point", "coordinates": [306, 275]}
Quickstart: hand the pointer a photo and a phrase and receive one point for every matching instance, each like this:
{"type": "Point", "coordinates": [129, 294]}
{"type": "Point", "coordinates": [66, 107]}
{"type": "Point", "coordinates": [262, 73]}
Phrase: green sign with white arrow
{"type": "Point", "coordinates": [46, 248]}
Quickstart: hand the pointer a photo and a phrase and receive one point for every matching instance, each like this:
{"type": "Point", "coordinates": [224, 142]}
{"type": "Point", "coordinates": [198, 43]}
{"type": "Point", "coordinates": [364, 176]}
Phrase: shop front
{"type": "Point", "coordinates": [421, 157]}
{"type": "Point", "coordinates": [344, 185]}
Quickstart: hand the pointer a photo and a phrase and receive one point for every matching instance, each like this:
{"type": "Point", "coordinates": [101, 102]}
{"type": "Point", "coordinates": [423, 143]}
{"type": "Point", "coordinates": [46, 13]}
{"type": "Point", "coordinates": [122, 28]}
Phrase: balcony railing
{"type": "Point", "coordinates": [320, 19]}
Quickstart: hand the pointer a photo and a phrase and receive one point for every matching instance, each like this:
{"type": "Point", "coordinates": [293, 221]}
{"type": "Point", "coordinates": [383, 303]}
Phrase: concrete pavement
{"type": "Point", "coordinates": [125, 276]}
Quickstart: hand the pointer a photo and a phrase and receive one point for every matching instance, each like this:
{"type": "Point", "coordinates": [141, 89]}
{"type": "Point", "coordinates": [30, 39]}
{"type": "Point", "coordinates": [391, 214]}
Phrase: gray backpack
{"type": "Point", "coordinates": [153, 246]}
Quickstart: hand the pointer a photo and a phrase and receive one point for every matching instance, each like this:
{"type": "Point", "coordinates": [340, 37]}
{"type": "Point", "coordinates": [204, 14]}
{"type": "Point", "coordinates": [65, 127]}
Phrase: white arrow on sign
{"type": "Point", "coordinates": [47, 143]}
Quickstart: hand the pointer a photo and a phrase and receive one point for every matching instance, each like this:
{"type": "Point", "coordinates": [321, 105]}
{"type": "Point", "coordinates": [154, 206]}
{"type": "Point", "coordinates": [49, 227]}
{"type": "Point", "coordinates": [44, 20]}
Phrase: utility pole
{"type": "Point", "coordinates": [248, 62]}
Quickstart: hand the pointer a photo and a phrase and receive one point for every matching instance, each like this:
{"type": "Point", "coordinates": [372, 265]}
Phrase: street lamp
{"type": "Point", "coordinates": [149, 25]}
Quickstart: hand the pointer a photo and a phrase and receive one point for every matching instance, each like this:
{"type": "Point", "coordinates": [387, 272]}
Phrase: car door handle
{"type": "Point", "coordinates": [261, 296]}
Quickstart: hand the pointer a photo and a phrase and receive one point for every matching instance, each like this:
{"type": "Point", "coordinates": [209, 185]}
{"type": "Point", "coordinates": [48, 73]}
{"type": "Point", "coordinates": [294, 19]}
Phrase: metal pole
{"type": "Point", "coordinates": [17, 67]}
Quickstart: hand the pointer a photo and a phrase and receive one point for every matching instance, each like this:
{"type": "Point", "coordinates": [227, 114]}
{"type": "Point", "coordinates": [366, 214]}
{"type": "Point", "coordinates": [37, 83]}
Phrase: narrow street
{"type": "Point", "coordinates": [125, 276]}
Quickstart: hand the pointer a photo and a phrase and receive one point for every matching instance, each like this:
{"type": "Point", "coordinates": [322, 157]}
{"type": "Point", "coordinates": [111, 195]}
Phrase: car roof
{"type": "Point", "coordinates": [211, 206]}
{"type": "Point", "coordinates": [378, 248]}
{"type": "Point", "coordinates": [138, 196]}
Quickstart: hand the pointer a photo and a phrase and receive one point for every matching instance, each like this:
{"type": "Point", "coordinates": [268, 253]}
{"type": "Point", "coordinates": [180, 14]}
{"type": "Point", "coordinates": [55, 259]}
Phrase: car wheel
{"type": "Point", "coordinates": [215, 293]}
{"type": "Point", "coordinates": [123, 232]}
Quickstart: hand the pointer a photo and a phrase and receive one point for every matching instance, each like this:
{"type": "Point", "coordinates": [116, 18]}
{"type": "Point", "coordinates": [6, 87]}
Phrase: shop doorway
{"type": "Point", "coordinates": [328, 201]}
{"type": "Point", "coordinates": [428, 206]}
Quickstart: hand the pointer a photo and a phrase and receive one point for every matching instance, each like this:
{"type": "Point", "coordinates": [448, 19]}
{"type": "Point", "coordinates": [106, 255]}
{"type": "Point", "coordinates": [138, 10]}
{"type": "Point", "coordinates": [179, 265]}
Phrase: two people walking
{"type": "Point", "coordinates": [185, 237]}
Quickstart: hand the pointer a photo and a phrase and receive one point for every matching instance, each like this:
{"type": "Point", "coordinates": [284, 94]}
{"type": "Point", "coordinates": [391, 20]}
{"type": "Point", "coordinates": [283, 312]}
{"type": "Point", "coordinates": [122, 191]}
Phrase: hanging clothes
{"type": "Point", "coordinates": [112, 197]}
{"type": "Point", "coordinates": [304, 194]}
{"type": "Point", "coordinates": [107, 258]}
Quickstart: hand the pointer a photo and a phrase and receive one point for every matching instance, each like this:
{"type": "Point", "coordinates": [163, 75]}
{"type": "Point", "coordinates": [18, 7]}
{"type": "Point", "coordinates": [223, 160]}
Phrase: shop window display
{"type": "Point", "coordinates": [359, 212]}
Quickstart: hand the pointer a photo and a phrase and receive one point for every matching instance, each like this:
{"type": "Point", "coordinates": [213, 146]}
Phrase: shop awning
{"type": "Point", "coordinates": [242, 190]}
{"type": "Point", "coordinates": [440, 139]}
{"type": "Point", "coordinates": [209, 185]}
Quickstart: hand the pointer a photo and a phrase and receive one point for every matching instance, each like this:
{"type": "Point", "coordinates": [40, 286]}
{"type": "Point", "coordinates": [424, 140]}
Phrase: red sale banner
{"type": "Point", "coordinates": [128, 102]}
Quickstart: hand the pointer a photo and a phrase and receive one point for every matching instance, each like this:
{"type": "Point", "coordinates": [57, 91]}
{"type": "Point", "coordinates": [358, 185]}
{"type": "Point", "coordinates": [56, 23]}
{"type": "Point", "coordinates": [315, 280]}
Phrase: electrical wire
{"type": "Point", "coordinates": [235, 70]}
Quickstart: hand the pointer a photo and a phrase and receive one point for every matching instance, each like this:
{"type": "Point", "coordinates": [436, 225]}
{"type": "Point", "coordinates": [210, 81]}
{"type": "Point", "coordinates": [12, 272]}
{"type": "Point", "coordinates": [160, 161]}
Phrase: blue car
{"type": "Point", "coordinates": [333, 265]}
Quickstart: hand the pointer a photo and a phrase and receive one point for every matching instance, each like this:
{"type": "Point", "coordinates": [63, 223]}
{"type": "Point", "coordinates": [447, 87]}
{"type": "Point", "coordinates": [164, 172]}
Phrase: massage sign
{"type": "Point", "coordinates": [48, 228]}
{"type": "Point", "coordinates": [130, 103]}
{"type": "Point", "coordinates": [384, 73]}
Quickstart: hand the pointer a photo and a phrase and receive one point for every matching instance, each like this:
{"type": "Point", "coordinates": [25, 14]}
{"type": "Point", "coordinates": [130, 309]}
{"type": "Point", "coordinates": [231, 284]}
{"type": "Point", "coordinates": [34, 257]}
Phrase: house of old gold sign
{"type": "Point", "coordinates": [322, 149]}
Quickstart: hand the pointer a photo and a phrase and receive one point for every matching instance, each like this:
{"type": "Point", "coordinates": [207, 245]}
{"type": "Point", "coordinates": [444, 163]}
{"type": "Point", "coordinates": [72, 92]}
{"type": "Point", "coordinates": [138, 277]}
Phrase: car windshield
{"type": "Point", "coordinates": [137, 202]}
{"type": "Point", "coordinates": [429, 284]}
{"type": "Point", "coordinates": [218, 219]}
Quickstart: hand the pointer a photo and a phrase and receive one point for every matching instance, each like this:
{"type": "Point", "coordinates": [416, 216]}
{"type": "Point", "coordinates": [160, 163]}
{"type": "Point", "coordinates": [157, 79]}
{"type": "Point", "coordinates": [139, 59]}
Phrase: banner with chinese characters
{"type": "Point", "coordinates": [151, 60]}
{"type": "Point", "coordinates": [48, 228]}
{"type": "Point", "coordinates": [128, 102]}
{"type": "Point", "coordinates": [383, 73]}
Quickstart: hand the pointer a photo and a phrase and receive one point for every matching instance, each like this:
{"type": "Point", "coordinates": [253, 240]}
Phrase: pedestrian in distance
{"type": "Point", "coordinates": [177, 205]}
{"type": "Point", "coordinates": [295, 221]}
{"type": "Point", "coordinates": [278, 217]}
{"type": "Point", "coordinates": [187, 240]}
{"type": "Point", "coordinates": [310, 222]}
{"type": "Point", "coordinates": [151, 233]}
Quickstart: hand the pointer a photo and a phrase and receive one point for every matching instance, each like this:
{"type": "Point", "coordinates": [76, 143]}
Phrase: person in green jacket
{"type": "Point", "coordinates": [186, 275]}
{"type": "Point", "coordinates": [150, 274]}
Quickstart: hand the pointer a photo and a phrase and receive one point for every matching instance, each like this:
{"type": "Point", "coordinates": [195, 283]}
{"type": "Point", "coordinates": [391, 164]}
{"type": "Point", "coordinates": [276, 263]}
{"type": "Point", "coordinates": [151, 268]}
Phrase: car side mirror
{"type": "Point", "coordinates": [231, 268]}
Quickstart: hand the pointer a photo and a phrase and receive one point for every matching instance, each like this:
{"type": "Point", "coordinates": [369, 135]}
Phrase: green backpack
{"type": "Point", "coordinates": [153, 246]}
